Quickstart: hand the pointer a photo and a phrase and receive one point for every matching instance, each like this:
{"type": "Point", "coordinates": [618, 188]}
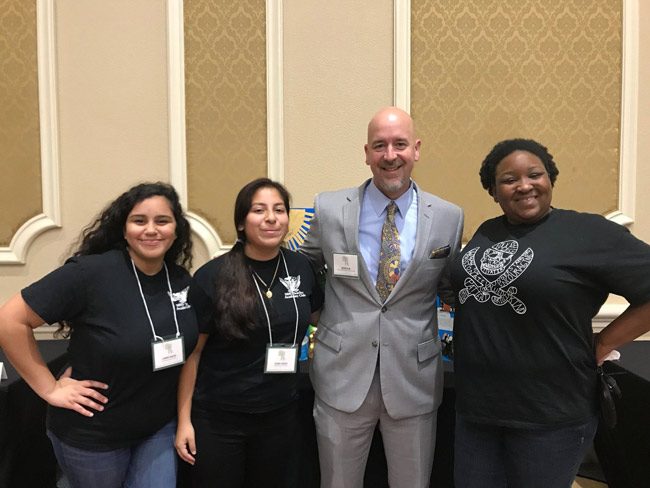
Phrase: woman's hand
{"type": "Point", "coordinates": [632, 323]}
{"type": "Point", "coordinates": [77, 395]}
{"type": "Point", "coordinates": [185, 444]}
{"type": "Point", "coordinates": [185, 441]}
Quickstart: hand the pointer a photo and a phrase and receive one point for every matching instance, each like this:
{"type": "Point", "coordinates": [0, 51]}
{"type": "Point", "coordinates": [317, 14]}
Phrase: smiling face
{"type": "Point", "coordinates": [266, 224]}
{"type": "Point", "coordinates": [523, 188]}
{"type": "Point", "coordinates": [150, 231]}
{"type": "Point", "coordinates": [391, 151]}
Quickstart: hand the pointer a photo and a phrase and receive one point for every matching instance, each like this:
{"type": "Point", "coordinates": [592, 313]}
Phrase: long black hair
{"type": "Point", "coordinates": [106, 232]}
{"type": "Point", "coordinates": [235, 296]}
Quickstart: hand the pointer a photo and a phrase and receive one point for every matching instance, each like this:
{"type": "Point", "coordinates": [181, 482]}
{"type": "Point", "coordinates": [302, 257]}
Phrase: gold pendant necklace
{"type": "Point", "coordinates": [268, 293]}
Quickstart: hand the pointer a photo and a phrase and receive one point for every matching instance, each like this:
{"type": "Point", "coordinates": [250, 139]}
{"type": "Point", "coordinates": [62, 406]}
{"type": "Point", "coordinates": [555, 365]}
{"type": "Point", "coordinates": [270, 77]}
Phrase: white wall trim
{"type": "Point", "coordinates": [402, 54]}
{"type": "Point", "coordinates": [49, 137]}
{"type": "Point", "coordinates": [629, 115]}
{"type": "Point", "coordinates": [176, 87]}
{"type": "Point", "coordinates": [274, 90]}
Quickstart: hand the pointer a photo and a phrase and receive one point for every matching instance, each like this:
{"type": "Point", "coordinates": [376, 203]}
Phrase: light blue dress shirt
{"type": "Point", "coordinates": [371, 220]}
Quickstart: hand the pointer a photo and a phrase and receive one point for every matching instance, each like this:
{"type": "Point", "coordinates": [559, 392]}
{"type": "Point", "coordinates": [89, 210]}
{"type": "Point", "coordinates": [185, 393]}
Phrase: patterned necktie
{"type": "Point", "coordinates": [389, 256]}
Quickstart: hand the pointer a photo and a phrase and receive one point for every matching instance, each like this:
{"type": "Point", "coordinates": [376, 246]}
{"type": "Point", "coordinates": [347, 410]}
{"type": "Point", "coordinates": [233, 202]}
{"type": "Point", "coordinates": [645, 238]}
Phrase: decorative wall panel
{"type": "Point", "coordinates": [487, 70]}
{"type": "Point", "coordinates": [29, 175]}
{"type": "Point", "coordinates": [225, 105]}
{"type": "Point", "coordinates": [20, 150]}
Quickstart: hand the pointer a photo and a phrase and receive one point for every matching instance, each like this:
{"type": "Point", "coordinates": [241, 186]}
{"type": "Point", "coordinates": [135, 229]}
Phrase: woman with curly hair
{"type": "Point", "coordinates": [122, 298]}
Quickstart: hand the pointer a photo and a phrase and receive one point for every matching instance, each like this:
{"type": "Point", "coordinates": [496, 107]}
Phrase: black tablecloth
{"type": "Point", "coordinates": [26, 457]}
{"type": "Point", "coordinates": [624, 452]}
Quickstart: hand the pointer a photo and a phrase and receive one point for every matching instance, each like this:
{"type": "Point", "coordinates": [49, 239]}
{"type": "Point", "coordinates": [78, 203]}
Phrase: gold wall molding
{"type": "Point", "coordinates": [177, 127]}
{"type": "Point", "coordinates": [50, 216]}
{"type": "Point", "coordinates": [624, 215]}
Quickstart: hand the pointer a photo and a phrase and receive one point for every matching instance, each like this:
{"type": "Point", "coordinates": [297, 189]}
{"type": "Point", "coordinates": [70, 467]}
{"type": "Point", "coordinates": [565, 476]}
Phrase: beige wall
{"type": "Point", "coordinates": [112, 104]}
{"type": "Point", "coordinates": [338, 69]}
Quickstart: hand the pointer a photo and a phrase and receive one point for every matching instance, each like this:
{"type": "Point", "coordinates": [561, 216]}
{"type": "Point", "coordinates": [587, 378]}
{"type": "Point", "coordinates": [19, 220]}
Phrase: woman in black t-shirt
{"type": "Point", "coordinates": [122, 298]}
{"type": "Point", "coordinates": [527, 286]}
{"type": "Point", "coordinates": [238, 389]}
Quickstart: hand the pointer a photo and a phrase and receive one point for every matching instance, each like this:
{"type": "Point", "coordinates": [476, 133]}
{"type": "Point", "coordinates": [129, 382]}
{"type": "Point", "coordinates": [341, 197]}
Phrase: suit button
{"type": "Point", "coordinates": [375, 343]}
{"type": "Point", "coordinates": [383, 309]}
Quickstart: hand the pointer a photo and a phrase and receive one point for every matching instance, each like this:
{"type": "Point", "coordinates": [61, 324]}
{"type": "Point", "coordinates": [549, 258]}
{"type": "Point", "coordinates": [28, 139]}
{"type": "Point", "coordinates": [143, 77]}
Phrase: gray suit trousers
{"type": "Point", "coordinates": [344, 442]}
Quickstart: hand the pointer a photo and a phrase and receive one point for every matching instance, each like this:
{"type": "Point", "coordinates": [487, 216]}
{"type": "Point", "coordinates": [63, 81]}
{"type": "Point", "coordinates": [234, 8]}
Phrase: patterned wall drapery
{"type": "Point", "coordinates": [20, 148]}
{"type": "Point", "coordinates": [487, 70]}
{"type": "Point", "coordinates": [225, 105]}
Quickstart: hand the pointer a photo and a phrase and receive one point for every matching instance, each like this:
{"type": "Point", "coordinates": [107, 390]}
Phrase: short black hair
{"type": "Point", "coordinates": [503, 149]}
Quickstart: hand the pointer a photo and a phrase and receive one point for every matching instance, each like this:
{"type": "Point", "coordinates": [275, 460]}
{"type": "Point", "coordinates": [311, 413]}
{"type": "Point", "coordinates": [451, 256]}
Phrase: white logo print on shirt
{"type": "Point", "coordinates": [292, 284]}
{"type": "Point", "coordinates": [180, 299]}
{"type": "Point", "coordinates": [495, 261]}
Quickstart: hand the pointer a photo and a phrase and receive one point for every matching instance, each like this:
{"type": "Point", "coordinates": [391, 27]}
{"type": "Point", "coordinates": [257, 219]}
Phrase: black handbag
{"type": "Point", "coordinates": [609, 392]}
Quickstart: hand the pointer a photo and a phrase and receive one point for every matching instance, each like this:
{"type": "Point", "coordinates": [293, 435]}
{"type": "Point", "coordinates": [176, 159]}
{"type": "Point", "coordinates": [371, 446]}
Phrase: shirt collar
{"type": "Point", "coordinates": [378, 201]}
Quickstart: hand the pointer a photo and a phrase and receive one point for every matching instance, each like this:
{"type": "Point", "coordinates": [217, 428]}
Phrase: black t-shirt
{"type": "Point", "coordinates": [525, 297]}
{"type": "Point", "coordinates": [231, 372]}
{"type": "Point", "coordinates": [111, 342]}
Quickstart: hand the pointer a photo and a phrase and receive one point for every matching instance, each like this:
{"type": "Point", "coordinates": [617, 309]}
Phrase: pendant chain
{"type": "Point", "coordinates": [269, 293]}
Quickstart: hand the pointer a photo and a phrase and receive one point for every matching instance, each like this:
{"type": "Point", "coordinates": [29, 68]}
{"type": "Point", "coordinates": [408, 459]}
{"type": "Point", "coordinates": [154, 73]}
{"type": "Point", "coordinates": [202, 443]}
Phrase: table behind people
{"type": "Point", "coordinates": [26, 456]}
{"type": "Point", "coordinates": [377, 353]}
{"type": "Point", "coordinates": [624, 451]}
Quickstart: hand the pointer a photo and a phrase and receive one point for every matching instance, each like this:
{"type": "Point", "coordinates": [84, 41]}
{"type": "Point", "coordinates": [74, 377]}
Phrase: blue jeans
{"type": "Point", "coordinates": [488, 456]}
{"type": "Point", "coordinates": [150, 463]}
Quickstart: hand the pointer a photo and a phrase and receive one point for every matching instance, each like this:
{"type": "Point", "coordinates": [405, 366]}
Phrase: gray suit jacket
{"type": "Point", "coordinates": [356, 329]}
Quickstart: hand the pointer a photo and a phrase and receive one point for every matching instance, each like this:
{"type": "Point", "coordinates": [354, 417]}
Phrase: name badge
{"type": "Point", "coordinates": [281, 358]}
{"type": "Point", "coordinates": [345, 265]}
{"type": "Point", "coordinates": [168, 352]}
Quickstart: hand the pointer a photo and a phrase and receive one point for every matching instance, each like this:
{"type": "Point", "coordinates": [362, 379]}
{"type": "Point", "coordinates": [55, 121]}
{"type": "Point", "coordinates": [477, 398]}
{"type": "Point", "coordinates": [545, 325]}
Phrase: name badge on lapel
{"type": "Point", "coordinates": [281, 358]}
{"type": "Point", "coordinates": [345, 265]}
{"type": "Point", "coordinates": [168, 352]}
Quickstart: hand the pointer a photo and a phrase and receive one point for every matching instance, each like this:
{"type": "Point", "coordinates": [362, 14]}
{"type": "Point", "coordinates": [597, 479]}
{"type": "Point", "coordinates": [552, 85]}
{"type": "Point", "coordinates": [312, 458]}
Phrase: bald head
{"type": "Point", "coordinates": [391, 116]}
{"type": "Point", "coordinates": [391, 150]}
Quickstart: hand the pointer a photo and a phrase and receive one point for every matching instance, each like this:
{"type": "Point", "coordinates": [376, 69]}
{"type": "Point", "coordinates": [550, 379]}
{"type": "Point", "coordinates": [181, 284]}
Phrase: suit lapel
{"type": "Point", "coordinates": [351, 223]}
{"type": "Point", "coordinates": [351, 230]}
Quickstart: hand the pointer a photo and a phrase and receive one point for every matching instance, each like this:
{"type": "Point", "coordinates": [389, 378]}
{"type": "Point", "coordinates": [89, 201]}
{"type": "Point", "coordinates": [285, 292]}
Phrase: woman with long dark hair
{"type": "Point", "coordinates": [238, 389]}
{"type": "Point", "coordinates": [122, 298]}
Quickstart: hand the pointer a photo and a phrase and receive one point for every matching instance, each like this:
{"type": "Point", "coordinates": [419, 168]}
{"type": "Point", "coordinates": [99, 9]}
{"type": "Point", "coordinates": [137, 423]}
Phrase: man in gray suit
{"type": "Point", "coordinates": [377, 353]}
